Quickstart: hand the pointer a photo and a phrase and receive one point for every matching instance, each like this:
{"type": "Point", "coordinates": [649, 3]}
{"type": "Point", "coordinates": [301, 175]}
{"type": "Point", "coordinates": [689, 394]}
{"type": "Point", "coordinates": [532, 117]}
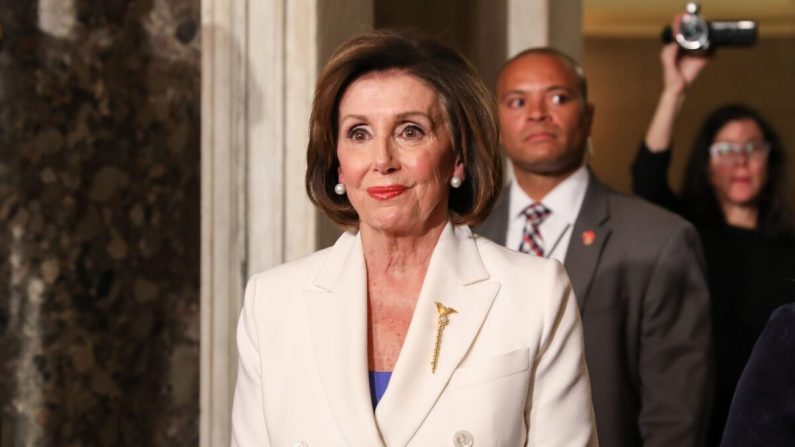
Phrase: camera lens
{"type": "Point", "coordinates": [693, 33]}
{"type": "Point", "coordinates": [693, 29]}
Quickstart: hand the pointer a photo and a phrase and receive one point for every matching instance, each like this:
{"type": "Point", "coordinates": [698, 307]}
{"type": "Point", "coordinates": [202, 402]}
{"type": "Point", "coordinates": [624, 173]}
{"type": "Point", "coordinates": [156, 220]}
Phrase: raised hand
{"type": "Point", "coordinates": [680, 68]}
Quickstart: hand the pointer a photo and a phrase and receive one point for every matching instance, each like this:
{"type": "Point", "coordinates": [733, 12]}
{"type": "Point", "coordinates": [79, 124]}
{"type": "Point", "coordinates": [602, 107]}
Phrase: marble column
{"type": "Point", "coordinates": [259, 64]}
{"type": "Point", "coordinates": [99, 222]}
{"type": "Point", "coordinates": [555, 23]}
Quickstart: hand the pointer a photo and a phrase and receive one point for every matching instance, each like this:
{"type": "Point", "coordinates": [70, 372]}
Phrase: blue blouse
{"type": "Point", "coordinates": [378, 382]}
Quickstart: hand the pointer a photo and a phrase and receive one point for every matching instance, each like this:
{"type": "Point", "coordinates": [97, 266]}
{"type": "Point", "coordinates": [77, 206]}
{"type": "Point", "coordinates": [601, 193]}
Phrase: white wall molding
{"type": "Point", "coordinates": [534, 23]}
{"type": "Point", "coordinates": [260, 60]}
{"type": "Point", "coordinates": [223, 251]}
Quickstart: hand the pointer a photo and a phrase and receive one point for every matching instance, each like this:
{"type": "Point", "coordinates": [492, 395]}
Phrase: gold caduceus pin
{"type": "Point", "coordinates": [442, 319]}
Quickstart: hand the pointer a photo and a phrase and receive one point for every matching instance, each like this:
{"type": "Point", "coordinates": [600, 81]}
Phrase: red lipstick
{"type": "Point", "coordinates": [386, 192]}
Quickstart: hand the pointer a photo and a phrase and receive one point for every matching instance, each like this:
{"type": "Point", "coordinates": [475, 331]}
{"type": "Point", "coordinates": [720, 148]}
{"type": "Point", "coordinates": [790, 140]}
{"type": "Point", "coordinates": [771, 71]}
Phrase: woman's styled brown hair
{"type": "Point", "coordinates": [468, 105]}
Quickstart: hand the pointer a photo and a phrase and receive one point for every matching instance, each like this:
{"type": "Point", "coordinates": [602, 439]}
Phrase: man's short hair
{"type": "Point", "coordinates": [575, 66]}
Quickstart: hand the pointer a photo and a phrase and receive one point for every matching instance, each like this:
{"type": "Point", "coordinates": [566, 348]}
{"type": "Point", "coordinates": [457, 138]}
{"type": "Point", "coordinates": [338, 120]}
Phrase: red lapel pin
{"type": "Point", "coordinates": [588, 237]}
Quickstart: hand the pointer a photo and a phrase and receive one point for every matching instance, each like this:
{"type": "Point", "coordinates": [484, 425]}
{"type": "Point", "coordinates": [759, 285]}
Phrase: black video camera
{"type": "Point", "coordinates": [696, 34]}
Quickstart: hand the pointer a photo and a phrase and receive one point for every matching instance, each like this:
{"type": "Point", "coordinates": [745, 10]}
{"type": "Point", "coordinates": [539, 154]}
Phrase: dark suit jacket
{"type": "Point", "coordinates": [762, 413]}
{"type": "Point", "coordinates": [641, 288]}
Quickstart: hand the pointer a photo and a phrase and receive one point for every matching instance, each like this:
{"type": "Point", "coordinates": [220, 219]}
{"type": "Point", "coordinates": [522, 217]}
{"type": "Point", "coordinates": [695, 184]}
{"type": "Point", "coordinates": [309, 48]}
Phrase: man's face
{"type": "Point", "coordinates": [544, 120]}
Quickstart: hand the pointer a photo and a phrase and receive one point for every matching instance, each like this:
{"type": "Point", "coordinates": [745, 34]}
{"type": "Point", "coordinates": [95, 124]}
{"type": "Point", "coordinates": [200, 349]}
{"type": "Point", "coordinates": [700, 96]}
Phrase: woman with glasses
{"type": "Point", "coordinates": [733, 192]}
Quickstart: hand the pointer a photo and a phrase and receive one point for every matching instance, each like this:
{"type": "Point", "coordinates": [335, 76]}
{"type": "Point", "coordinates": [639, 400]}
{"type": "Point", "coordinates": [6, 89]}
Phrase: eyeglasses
{"type": "Point", "coordinates": [731, 153]}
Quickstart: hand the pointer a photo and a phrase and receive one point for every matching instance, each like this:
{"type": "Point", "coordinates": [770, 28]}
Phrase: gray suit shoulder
{"type": "Point", "coordinates": [631, 212]}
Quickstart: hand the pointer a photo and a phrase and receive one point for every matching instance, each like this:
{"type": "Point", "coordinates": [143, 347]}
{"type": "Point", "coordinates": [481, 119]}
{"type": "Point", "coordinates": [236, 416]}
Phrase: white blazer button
{"type": "Point", "coordinates": [463, 438]}
{"type": "Point", "coordinates": [300, 444]}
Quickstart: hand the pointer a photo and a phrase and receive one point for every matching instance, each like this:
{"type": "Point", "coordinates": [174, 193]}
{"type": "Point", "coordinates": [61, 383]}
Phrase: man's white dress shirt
{"type": "Point", "coordinates": [564, 202]}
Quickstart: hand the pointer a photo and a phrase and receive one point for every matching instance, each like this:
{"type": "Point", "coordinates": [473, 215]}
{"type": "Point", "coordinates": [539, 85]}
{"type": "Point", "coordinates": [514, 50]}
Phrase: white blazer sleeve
{"type": "Point", "coordinates": [559, 412]}
{"type": "Point", "coordinates": [248, 413]}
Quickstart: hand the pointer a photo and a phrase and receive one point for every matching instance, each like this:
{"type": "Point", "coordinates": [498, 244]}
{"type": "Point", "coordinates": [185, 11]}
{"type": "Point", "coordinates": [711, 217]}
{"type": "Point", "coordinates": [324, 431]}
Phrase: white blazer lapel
{"type": "Point", "coordinates": [337, 319]}
{"type": "Point", "coordinates": [456, 278]}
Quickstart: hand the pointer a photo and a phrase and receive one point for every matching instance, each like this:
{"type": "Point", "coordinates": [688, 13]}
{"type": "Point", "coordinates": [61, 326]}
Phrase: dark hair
{"type": "Point", "coordinates": [468, 105]}
{"type": "Point", "coordinates": [699, 194]}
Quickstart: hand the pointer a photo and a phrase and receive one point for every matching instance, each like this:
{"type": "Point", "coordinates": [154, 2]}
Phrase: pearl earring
{"type": "Point", "coordinates": [339, 188]}
{"type": "Point", "coordinates": [456, 181]}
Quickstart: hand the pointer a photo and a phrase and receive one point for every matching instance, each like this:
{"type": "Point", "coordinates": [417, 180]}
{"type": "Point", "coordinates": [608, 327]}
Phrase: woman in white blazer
{"type": "Point", "coordinates": [410, 330]}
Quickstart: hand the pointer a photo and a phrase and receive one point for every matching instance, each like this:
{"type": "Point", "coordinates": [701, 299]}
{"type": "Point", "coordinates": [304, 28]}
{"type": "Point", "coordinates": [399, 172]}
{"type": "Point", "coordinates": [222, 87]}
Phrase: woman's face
{"type": "Point", "coordinates": [395, 153]}
{"type": "Point", "coordinates": [739, 179]}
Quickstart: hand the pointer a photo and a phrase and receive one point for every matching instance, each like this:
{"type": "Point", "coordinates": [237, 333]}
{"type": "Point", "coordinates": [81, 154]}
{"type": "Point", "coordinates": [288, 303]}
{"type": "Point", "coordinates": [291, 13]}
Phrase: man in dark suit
{"type": "Point", "coordinates": [637, 270]}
